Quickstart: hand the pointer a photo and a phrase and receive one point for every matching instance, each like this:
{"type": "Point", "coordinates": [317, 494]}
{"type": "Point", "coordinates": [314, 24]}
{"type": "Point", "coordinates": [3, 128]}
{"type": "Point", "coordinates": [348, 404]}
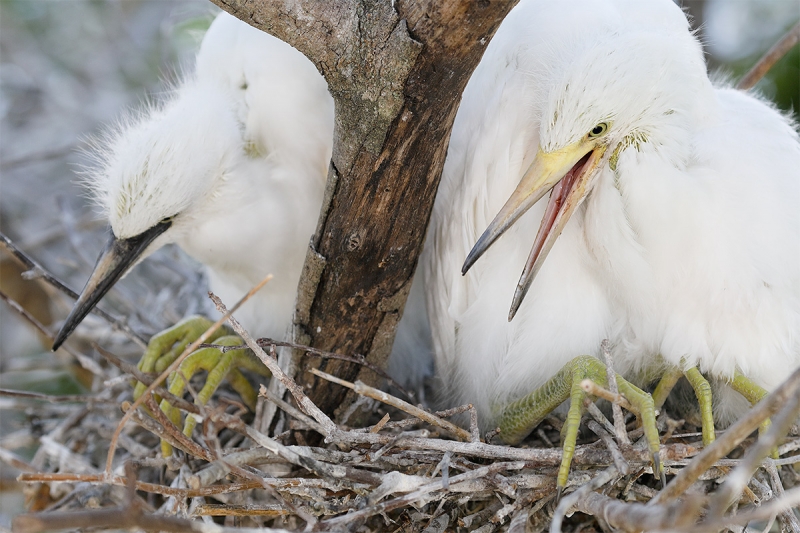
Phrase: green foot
{"type": "Point", "coordinates": [702, 391]}
{"type": "Point", "coordinates": [166, 346]}
{"type": "Point", "coordinates": [754, 394]}
{"type": "Point", "coordinates": [518, 418]}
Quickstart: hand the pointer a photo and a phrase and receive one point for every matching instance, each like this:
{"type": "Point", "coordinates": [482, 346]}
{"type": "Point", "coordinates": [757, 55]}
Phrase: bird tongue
{"type": "Point", "coordinates": [558, 197]}
{"type": "Point", "coordinates": [562, 200]}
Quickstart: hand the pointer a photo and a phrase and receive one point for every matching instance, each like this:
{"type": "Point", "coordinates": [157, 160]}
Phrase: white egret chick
{"type": "Point", "coordinates": [672, 228]}
{"type": "Point", "coordinates": [231, 168]}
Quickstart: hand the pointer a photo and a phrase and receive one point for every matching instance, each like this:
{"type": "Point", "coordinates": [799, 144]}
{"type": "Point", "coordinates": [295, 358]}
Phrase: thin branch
{"type": "Point", "coordinates": [269, 511]}
{"type": "Point", "coordinates": [406, 422]}
{"type": "Point", "coordinates": [619, 461]}
{"type": "Point", "coordinates": [734, 435]}
{"type": "Point", "coordinates": [677, 516]}
{"type": "Point", "coordinates": [277, 372]}
{"type": "Point", "coordinates": [171, 433]}
{"type": "Point", "coordinates": [619, 420]}
{"type": "Point", "coordinates": [213, 490]}
{"type": "Point", "coordinates": [388, 399]}
{"type": "Point", "coordinates": [76, 398]}
{"type": "Point", "coordinates": [418, 494]}
{"type": "Point", "coordinates": [174, 366]}
{"type": "Point", "coordinates": [220, 468]}
{"type": "Point", "coordinates": [769, 59]}
{"type": "Point", "coordinates": [84, 361]}
{"type": "Point", "coordinates": [791, 521]}
{"type": "Point", "coordinates": [789, 501]}
{"type": "Point", "coordinates": [12, 459]}
{"type": "Point", "coordinates": [264, 392]}
{"type": "Point", "coordinates": [737, 480]}
{"type": "Point", "coordinates": [358, 359]}
{"type": "Point", "coordinates": [347, 475]}
{"type": "Point", "coordinates": [596, 390]}
{"type": "Point", "coordinates": [36, 271]}
{"type": "Point", "coordinates": [121, 518]}
{"type": "Point", "coordinates": [147, 379]}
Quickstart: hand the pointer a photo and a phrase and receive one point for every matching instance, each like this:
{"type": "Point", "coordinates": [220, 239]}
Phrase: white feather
{"type": "Point", "coordinates": [690, 250]}
{"type": "Point", "coordinates": [238, 155]}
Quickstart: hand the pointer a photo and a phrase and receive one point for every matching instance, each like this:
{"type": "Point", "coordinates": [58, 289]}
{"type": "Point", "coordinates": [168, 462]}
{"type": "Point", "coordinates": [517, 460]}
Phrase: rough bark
{"type": "Point", "coordinates": [396, 73]}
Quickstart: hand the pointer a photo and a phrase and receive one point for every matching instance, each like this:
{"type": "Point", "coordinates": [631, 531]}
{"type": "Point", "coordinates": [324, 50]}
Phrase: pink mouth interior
{"type": "Point", "coordinates": [558, 197]}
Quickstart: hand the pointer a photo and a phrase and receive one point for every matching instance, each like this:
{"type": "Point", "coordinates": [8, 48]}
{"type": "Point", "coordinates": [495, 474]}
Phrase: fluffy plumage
{"type": "Point", "coordinates": [687, 245]}
{"type": "Point", "coordinates": [237, 157]}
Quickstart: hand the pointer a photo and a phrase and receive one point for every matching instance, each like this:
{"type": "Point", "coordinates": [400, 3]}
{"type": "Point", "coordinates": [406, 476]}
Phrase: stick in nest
{"type": "Point", "coordinates": [388, 399]}
{"type": "Point", "coordinates": [175, 364]}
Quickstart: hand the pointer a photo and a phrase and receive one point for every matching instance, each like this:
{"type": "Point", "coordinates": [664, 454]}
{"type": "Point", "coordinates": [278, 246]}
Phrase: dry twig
{"type": "Point", "coordinates": [36, 271]}
{"type": "Point", "coordinates": [769, 59]}
{"type": "Point", "coordinates": [388, 399]}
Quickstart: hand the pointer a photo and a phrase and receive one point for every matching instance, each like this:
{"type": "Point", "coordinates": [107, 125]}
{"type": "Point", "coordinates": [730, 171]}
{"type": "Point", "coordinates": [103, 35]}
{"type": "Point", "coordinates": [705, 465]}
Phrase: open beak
{"type": "Point", "coordinates": [569, 172]}
{"type": "Point", "coordinates": [115, 259]}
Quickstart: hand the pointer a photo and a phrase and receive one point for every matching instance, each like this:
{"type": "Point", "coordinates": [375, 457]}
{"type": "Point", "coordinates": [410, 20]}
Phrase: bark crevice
{"type": "Point", "coordinates": [396, 74]}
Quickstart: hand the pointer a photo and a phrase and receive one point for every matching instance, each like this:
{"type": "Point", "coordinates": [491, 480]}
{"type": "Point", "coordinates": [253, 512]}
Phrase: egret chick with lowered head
{"type": "Point", "coordinates": [231, 168]}
{"type": "Point", "coordinates": [672, 226]}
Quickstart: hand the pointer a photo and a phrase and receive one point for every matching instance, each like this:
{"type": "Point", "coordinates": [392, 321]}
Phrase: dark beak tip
{"type": "Point", "coordinates": [62, 336]}
{"type": "Point", "coordinates": [472, 258]}
{"type": "Point", "coordinates": [57, 343]}
{"type": "Point", "coordinates": [512, 312]}
{"type": "Point", "coordinates": [72, 321]}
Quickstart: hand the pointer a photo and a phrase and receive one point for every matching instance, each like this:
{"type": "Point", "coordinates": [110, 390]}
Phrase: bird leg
{"type": "Point", "coordinates": [165, 347]}
{"type": "Point", "coordinates": [218, 364]}
{"type": "Point", "coordinates": [702, 391]}
{"type": "Point", "coordinates": [753, 393]}
{"type": "Point", "coordinates": [665, 385]}
{"type": "Point", "coordinates": [518, 418]}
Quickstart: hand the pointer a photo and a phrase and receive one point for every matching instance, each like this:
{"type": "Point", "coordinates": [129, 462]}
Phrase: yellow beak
{"type": "Point", "coordinates": [569, 172]}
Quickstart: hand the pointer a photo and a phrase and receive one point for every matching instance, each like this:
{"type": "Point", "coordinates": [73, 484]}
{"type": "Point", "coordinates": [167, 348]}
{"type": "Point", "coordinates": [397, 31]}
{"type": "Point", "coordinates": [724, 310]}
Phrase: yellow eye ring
{"type": "Point", "coordinates": [599, 130]}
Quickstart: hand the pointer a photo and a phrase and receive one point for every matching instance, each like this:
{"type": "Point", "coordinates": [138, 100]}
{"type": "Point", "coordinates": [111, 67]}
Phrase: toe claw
{"type": "Point", "coordinates": [658, 470]}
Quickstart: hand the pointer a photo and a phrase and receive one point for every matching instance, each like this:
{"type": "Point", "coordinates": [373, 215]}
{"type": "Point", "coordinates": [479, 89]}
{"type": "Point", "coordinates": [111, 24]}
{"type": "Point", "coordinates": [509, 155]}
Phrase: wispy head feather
{"type": "Point", "coordinates": [161, 159]}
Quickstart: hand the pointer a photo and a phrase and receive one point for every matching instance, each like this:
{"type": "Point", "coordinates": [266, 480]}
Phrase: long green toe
{"type": "Point", "coordinates": [165, 346]}
{"type": "Point", "coordinates": [168, 345]}
{"type": "Point", "coordinates": [219, 365]}
{"type": "Point", "coordinates": [519, 418]}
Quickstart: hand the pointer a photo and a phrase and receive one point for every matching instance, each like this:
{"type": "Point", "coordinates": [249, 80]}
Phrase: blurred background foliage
{"type": "Point", "coordinates": [737, 32]}
{"type": "Point", "coordinates": [69, 68]}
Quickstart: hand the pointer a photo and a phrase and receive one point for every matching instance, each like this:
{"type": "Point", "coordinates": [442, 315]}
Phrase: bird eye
{"type": "Point", "coordinates": [599, 130]}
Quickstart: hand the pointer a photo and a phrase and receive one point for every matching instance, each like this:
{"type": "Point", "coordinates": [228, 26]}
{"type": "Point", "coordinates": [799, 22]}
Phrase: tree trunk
{"type": "Point", "coordinates": [396, 73]}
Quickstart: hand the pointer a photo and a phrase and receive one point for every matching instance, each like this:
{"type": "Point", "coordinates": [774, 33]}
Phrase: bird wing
{"type": "Point", "coordinates": [749, 230]}
{"type": "Point", "coordinates": [281, 99]}
{"type": "Point", "coordinates": [495, 137]}
{"type": "Point", "coordinates": [463, 205]}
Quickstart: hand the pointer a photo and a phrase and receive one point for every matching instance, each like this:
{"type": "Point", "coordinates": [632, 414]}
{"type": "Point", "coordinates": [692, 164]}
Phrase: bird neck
{"type": "Point", "coordinates": [631, 210]}
{"type": "Point", "coordinates": [258, 223]}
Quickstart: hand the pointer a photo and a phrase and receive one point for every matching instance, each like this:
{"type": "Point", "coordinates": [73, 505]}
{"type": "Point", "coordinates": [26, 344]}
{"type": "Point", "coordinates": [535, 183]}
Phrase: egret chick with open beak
{"type": "Point", "coordinates": [671, 228]}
